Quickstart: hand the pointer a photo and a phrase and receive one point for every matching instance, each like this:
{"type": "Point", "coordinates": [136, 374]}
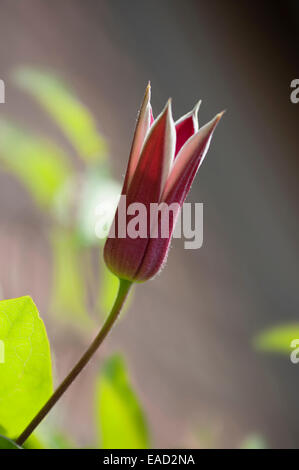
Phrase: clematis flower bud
{"type": "Point", "coordinates": [164, 159]}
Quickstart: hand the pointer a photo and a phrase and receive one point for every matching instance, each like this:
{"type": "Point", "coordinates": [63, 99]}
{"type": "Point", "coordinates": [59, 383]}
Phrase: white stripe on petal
{"type": "Point", "coordinates": [198, 143]}
{"type": "Point", "coordinates": [169, 146]}
{"type": "Point", "coordinates": [142, 128]}
{"type": "Point", "coordinates": [194, 114]}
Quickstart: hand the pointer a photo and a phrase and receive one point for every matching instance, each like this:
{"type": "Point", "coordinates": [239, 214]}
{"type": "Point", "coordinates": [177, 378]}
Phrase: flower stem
{"type": "Point", "coordinates": [124, 287]}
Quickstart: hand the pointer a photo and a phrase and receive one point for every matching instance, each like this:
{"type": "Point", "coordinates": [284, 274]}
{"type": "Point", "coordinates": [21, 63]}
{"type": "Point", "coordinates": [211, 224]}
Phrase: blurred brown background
{"type": "Point", "coordinates": [187, 336]}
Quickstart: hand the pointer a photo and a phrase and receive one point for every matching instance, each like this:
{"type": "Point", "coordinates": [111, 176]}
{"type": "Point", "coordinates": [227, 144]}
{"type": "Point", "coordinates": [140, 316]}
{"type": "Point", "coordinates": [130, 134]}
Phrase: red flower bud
{"type": "Point", "coordinates": [164, 159]}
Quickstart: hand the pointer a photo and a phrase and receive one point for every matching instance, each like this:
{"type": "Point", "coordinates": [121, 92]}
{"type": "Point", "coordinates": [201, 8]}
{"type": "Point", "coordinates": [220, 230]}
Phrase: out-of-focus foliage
{"type": "Point", "coordinates": [48, 439]}
{"type": "Point", "coordinates": [120, 420]}
{"type": "Point", "coordinates": [108, 290]}
{"type": "Point", "coordinates": [57, 440]}
{"type": "Point", "coordinates": [39, 164]}
{"type": "Point", "coordinates": [6, 443]}
{"type": "Point", "coordinates": [81, 206]}
{"type": "Point", "coordinates": [80, 203]}
{"type": "Point", "coordinates": [254, 441]}
{"type": "Point", "coordinates": [98, 202]}
{"type": "Point", "coordinates": [277, 339]}
{"type": "Point", "coordinates": [70, 114]}
{"type": "Point", "coordinates": [34, 442]}
{"type": "Point", "coordinates": [204, 436]}
{"type": "Point", "coordinates": [68, 289]}
{"type": "Point", "coordinates": [26, 375]}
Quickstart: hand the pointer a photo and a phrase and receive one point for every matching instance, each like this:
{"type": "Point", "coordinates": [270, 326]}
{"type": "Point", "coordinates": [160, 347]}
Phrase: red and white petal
{"type": "Point", "coordinates": [124, 256]}
{"type": "Point", "coordinates": [155, 255]}
{"type": "Point", "coordinates": [185, 127]}
{"type": "Point", "coordinates": [144, 122]}
{"type": "Point", "coordinates": [155, 161]}
{"type": "Point", "coordinates": [176, 190]}
{"type": "Point", "coordinates": [187, 163]}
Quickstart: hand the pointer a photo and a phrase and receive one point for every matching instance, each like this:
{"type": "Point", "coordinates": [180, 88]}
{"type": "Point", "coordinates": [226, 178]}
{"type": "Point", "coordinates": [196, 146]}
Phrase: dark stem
{"type": "Point", "coordinates": [124, 287]}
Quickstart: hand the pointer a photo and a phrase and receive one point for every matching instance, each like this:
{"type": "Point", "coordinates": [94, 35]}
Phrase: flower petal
{"type": "Point", "coordinates": [124, 256]}
{"type": "Point", "coordinates": [185, 127]}
{"type": "Point", "coordinates": [187, 163]}
{"type": "Point", "coordinates": [155, 161]}
{"type": "Point", "coordinates": [144, 122]}
{"type": "Point", "coordinates": [155, 255]}
{"type": "Point", "coordinates": [176, 190]}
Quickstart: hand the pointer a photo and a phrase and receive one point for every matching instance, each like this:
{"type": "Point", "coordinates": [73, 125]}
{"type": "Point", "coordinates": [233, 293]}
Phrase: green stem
{"type": "Point", "coordinates": [124, 287]}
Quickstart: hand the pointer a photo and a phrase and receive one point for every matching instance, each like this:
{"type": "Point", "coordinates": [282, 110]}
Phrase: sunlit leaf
{"type": "Point", "coordinates": [97, 206]}
{"type": "Point", "coordinates": [38, 164]}
{"type": "Point", "coordinates": [25, 376]}
{"type": "Point", "coordinates": [68, 287]}
{"type": "Point", "coordinates": [34, 442]}
{"type": "Point", "coordinates": [120, 420]}
{"type": "Point", "coordinates": [6, 443]}
{"type": "Point", "coordinates": [277, 339]}
{"type": "Point", "coordinates": [70, 114]}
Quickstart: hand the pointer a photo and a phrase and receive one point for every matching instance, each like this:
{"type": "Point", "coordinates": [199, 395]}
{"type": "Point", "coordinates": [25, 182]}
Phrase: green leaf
{"type": "Point", "coordinates": [25, 376]}
{"type": "Point", "coordinates": [120, 420]}
{"type": "Point", "coordinates": [34, 442]}
{"type": "Point", "coordinates": [6, 443]}
{"type": "Point", "coordinates": [40, 166]}
{"type": "Point", "coordinates": [68, 112]}
{"type": "Point", "coordinates": [277, 339]}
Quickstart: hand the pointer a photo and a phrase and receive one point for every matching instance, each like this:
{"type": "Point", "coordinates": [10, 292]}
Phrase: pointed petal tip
{"type": "Point", "coordinates": [219, 115]}
{"type": "Point", "coordinates": [196, 108]}
{"type": "Point", "coordinates": [147, 95]}
{"type": "Point", "coordinates": [169, 112]}
{"type": "Point", "coordinates": [213, 123]}
{"type": "Point", "coordinates": [167, 108]}
{"type": "Point", "coordinates": [193, 113]}
{"type": "Point", "coordinates": [215, 120]}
